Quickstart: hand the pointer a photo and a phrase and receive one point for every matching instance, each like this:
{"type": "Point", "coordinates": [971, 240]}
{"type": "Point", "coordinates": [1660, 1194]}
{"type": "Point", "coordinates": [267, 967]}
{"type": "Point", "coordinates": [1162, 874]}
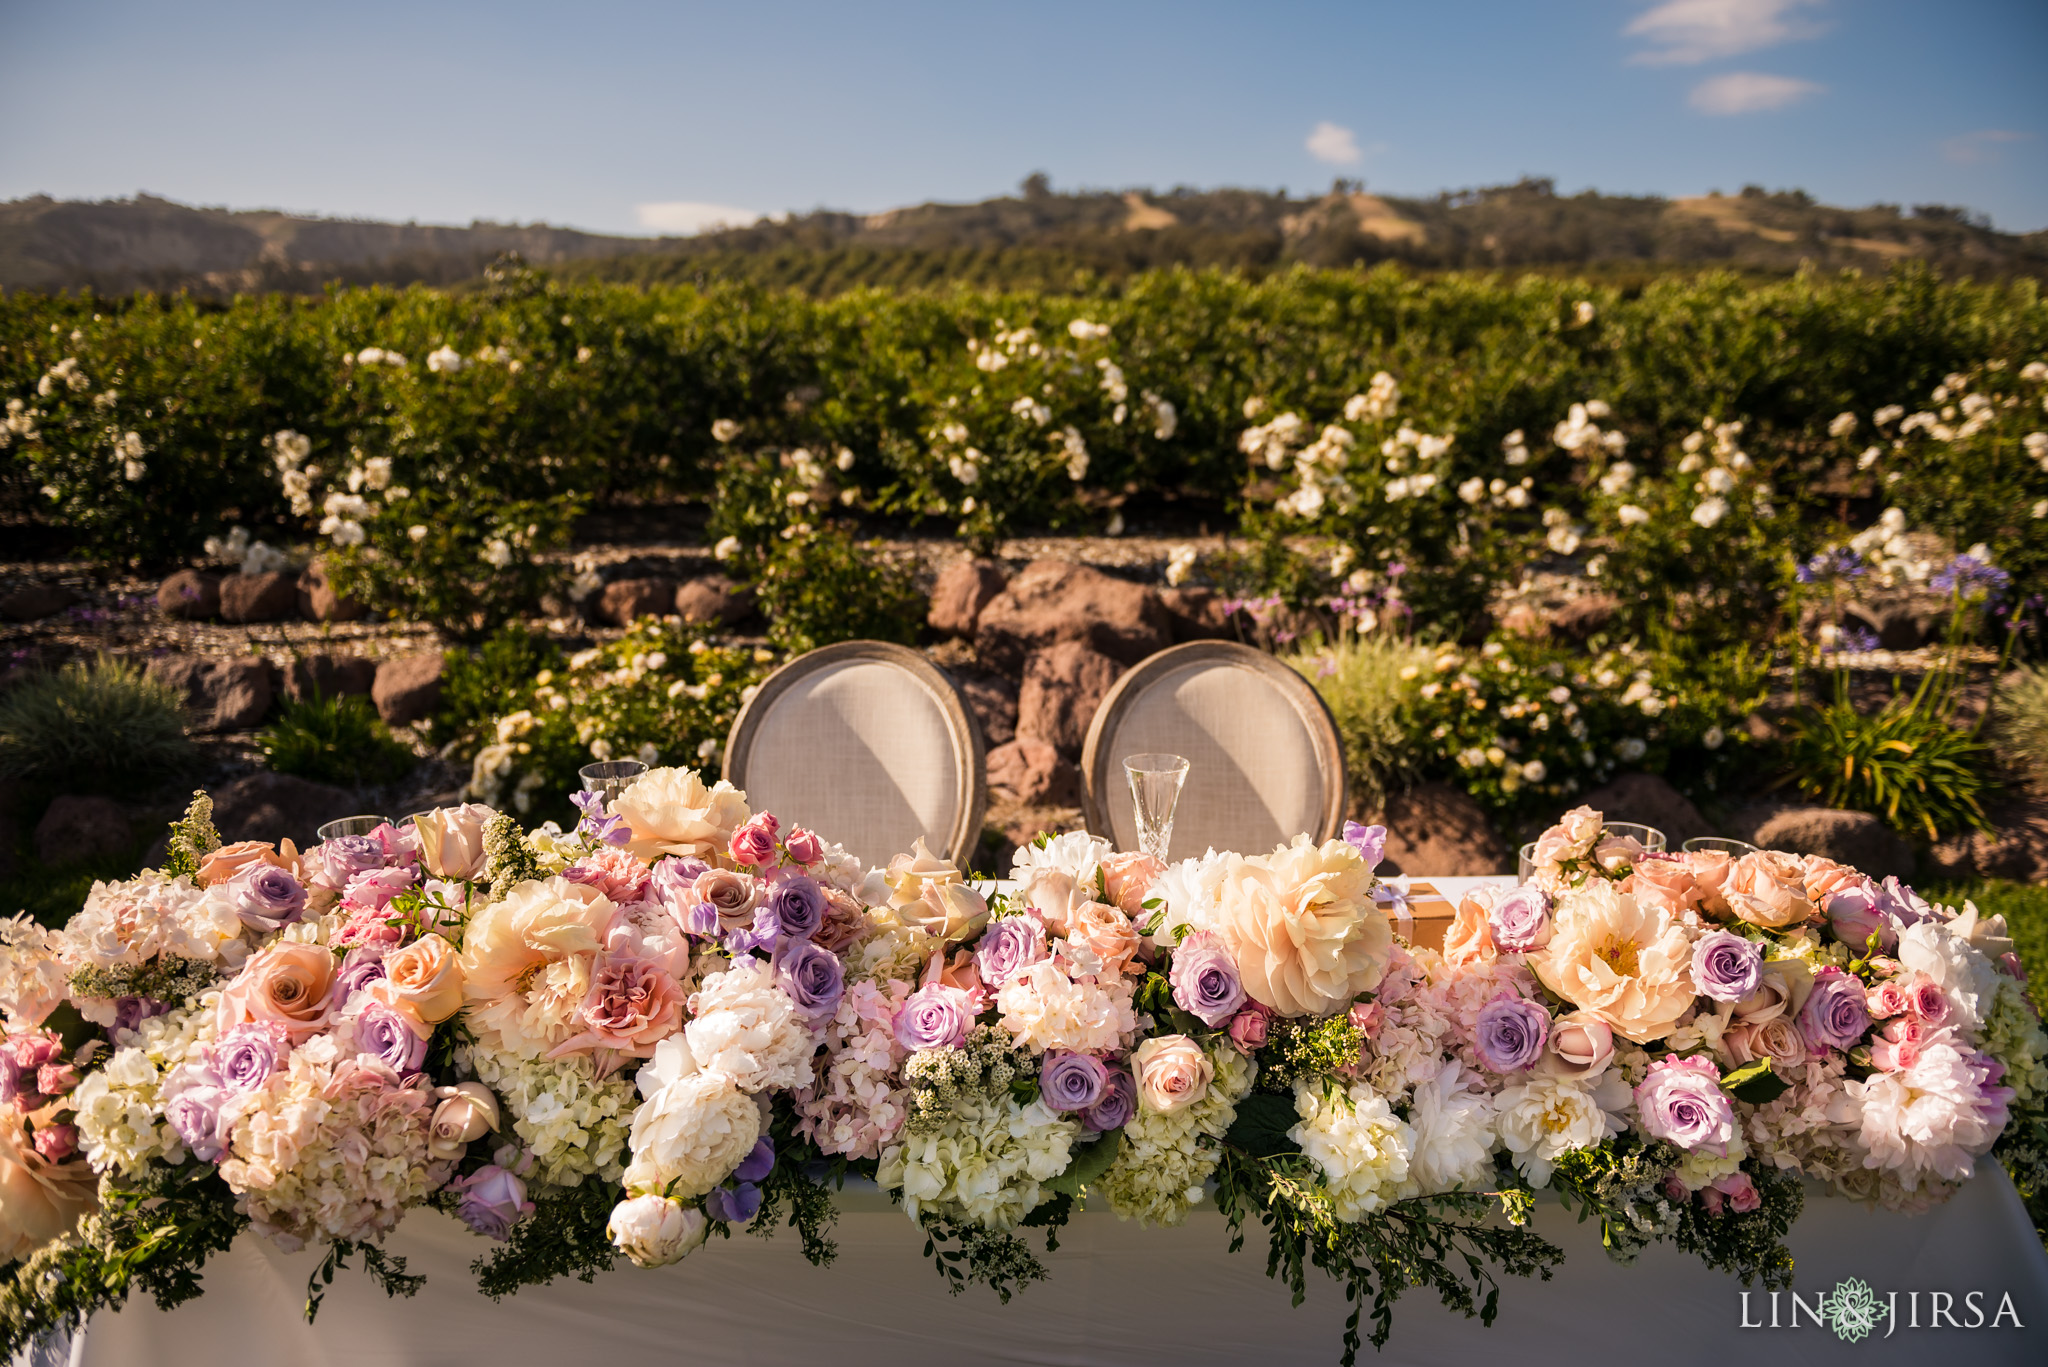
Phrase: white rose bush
{"type": "Point", "coordinates": [622, 1042]}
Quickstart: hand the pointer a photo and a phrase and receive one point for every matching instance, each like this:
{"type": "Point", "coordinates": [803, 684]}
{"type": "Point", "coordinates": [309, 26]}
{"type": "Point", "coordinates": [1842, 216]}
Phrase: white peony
{"type": "Point", "coordinates": [693, 1129]}
{"type": "Point", "coordinates": [748, 1028]}
{"type": "Point", "coordinates": [1931, 1119]}
{"type": "Point", "coordinates": [1942, 950]}
{"type": "Point", "coordinates": [655, 1231]}
{"type": "Point", "coordinates": [1541, 1119]}
{"type": "Point", "coordinates": [1454, 1132]}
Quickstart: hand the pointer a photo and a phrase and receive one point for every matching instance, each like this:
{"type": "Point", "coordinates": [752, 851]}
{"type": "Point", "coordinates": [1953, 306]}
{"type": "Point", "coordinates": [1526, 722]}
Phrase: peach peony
{"type": "Point", "coordinates": [1618, 960]}
{"type": "Point", "coordinates": [287, 983]}
{"type": "Point", "coordinates": [39, 1200]}
{"type": "Point", "coordinates": [671, 812]}
{"type": "Point", "coordinates": [1768, 889]}
{"type": "Point", "coordinates": [527, 960]}
{"type": "Point", "coordinates": [1302, 928]}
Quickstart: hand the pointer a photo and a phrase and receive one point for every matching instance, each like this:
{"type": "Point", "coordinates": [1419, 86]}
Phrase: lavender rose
{"type": "Point", "coordinates": [1009, 947]}
{"type": "Point", "coordinates": [1520, 920]}
{"type": "Point", "coordinates": [267, 898]}
{"type": "Point", "coordinates": [799, 904]}
{"type": "Point", "coordinates": [1836, 1013]}
{"type": "Point", "coordinates": [195, 1114]}
{"type": "Point", "coordinates": [934, 1017]}
{"type": "Point", "coordinates": [385, 1035]}
{"type": "Point", "coordinates": [246, 1056]}
{"type": "Point", "coordinates": [1073, 1082]}
{"type": "Point", "coordinates": [1681, 1101]}
{"type": "Point", "coordinates": [492, 1201]}
{"type": "Point", "coordinates": [1119, 1103]}
{"type": "Point", "coordinates": [1726, 967]}
{"type": "Point", "coordinates": [1511, 1035]}
{"type": "Point", "coordinates": [812, 978]}
{"type": "Point", "coordinates": [1205, 981]}
{"type": "Point", "coordinates": [363, 966]}
{"type": "Point", "coordinates": [345, 856]}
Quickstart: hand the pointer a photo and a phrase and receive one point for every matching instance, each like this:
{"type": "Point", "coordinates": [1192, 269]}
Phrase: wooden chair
{"type": "Point", "coordinates": [1265, 761]}
{"type": "Point", "coordinates": [869, 745]}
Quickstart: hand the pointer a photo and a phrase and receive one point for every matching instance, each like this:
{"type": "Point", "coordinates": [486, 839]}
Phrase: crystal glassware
{"type": "Point", "coordinates": [348, 825]}
{"type": "Point", "coordinates": [611, 777]}
{"type": "Point", "coordinates": [1649, 837]}
{"type": "Point", "coordinates": [1155, 791]}
{"type": "Point", "coordinates": [1734, 849]}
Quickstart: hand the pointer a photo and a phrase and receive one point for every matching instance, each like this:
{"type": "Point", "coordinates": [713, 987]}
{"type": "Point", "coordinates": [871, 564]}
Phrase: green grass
{"type": "Point", "coordinates": [335, 740]}
{"type": "Point", "coordinates": [1360, 678]}
{"type": "Point", "coordinates": [2019, 724]}
{"type": "Point", "coordinates": [91, 725]}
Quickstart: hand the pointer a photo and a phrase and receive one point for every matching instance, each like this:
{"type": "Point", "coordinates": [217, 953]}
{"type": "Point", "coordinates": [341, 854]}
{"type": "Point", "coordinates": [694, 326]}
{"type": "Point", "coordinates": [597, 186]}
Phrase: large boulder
{"type": "Point", "coordinates": [407, 687]}
{"type": "Point", "coordinates": [1052, 601]}
{"type": "Point", "coordinates": [963, 589]}
{"type": "Point", "coordinates": [269, 597]}
{"type": "Point", "coordinates": [221, 695]}
{"type": "Point", "coordinates": [1433, 829]}
{"type": "Point", "coordinates": [1062, 688]}
{"type": "Point", "coordinates": [270, 806]}
{"type": "Point", "coordinates": [321, 601]}
{"type": "Point", "coordinates": [330, 676]}
{"type": "Point", "coordinates": [1653, 802]}
{"type": "Point", "coordinates": [1854, 838]}
{"type": "Point", "coordinates": [2017, 849]}
{"type": "Point", "coordinates": [1196, 614]}
{"type": "Point", "coordinates": [32, 602]}
{"type": "Point", "coordinates": [713, 599]}
{"type": "Point", "coordinates": [1033, 772]}
{"type": "Point", "coordinates": [193, 595]}
{"type": "Point", "coordinates": [625, 601]}
{"type": "Point", "coordinates": [993, 700]}
{"type": "Point", "coordinates": [75, 829]}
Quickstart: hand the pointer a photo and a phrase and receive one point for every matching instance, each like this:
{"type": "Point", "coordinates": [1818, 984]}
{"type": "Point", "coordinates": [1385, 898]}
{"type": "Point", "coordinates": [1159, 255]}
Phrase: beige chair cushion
{"type": "Point", "coordinates": [1257, 763]}
{"type": "Point", "coordinates": [863, 751]}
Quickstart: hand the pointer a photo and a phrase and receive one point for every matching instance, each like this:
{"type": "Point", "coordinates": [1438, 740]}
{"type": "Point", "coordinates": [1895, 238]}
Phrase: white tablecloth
{"type": "Point", "coordinates": [1117, 1295]}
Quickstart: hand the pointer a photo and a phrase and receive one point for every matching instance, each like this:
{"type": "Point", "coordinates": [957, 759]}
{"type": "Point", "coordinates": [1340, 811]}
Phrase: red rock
{"type": "Point", "coordinates": [268, 597]}
{"type": "Point", "coordinates": [330, 676]}
{"type": "Point", "coordinates": [33, 602]}
{"type": "Point", "coordinates": [993, 700]}
{"type": "Point", "coordinates": [191, 594]}
{"type": "Point", "coordinates": [963, 589]}
{"type": "Point", "coordinates": [713, 599]}
{"type": "Point", "coordinates": [221, 695]}
{"type": "Point", "coordinates": [1196, 614]}
{"type": "Point", "coordinates": [624, 601]}
{"type": "Point", "coordinates": [271, 806]}
{"type": "Point", "coordinates": [1857, 839]}
{"type": "Point", "coordinates": [75, 829]}
{"type": "Point", "coordinates": [1433, 829]}
{"type": "Point", "coordinates": [1062, 688]}
{"type": "Point", "coordinates": [1653, 802]}
{"type": "Point", "coordinates": [1032, 771]}
{"type": "Point", "coordinates": [1585, 616]}
{"type": "Point", "coordinates": [407, 687]}
{"type": "Point", "coordinates": [320, 601]}
{"type": "Point", "coordinates": [1052, 601]}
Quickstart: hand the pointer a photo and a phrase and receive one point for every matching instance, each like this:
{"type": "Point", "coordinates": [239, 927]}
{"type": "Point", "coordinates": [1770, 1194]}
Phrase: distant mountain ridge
{"type": "Point", "coordinates": [1035, 238]}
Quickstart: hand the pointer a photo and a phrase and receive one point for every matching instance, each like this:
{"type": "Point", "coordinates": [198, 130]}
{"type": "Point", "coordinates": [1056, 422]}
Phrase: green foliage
{"type": "Point", "coordinates": [1907, 762]}
{"type": "Point", "coordinates": [1749, 1245]}
{"type": "Point", "coordinates": [1361, 678]}
{"type": "Point", "coordinates": [2019, 727]}
{"type": "Point", "coordinates": [826, 587]}
{"type": "Point", "coordinates": [1306, 1050]}
{"type": "Point", "coordinates": [95, 724]}
{"type": "Point", "coordinates": [334, 740]}
{"type": "Point", "coordinates": [997, 1259]}
{"type": "Point", "coordinates": [564, 1237]}
{"type": "Point", "coordinates": [192, 837]}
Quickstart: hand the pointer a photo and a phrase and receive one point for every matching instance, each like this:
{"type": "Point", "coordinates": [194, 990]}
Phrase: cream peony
{"type": "Point", "coordinates": [655, 1231]}
{"type": "Point", "coordinates": [747, 1028]}
{"type": "Point", "coordinates": [527, 960]}
{"type": "Point", "coordinates": [1302, 927]}
{"type": "Point", "coordinates": [1618, 960]}
{"type": "Point", "coordinates": [672, 812]}
{"type": "Point", "coordinates": [1540, 1119]}
{"type": "Point", "coordinates": [693, 1128]}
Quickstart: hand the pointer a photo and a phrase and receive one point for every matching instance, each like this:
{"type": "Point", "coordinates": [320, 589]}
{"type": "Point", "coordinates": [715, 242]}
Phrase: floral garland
{"type": "Point", "coordinates": [684, 1016]}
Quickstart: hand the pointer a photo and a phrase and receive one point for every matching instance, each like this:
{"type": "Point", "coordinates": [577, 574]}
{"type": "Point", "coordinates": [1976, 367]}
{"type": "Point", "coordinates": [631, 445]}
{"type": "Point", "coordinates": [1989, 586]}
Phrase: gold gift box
{"type": "Point", "coordinates": [1429, 916]}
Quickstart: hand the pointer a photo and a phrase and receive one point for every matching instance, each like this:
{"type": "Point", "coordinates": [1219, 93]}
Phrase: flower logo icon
{"type": "Point", "coordinates": [1853, 1310]}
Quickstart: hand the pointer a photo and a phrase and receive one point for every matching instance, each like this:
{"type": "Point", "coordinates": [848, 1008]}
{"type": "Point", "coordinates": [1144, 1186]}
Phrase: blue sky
{"type": "Point", "coordinates": [627, 117]}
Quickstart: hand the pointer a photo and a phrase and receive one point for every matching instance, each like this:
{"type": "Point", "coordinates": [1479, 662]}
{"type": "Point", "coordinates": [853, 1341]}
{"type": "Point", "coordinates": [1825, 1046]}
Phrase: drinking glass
{"type": "Point", "coordinates": [611, 778]}
{"type": "Point", "coordinates": [414, 818]}
{"type": "Point", "coordinates": [348, 825]}
{"type": "Point", "coordinates": [1155, 791]}
{"type": "Point", "coordinates": [1649, 837]}
{"type": "Point", "coordinates": [1734, 849]}
{"type": "Point", "coordinates": [1525, 866]}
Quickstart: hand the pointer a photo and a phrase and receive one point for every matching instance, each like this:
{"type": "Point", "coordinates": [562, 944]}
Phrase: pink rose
{"type": "Point", "coordinates": [288, 983]}
{"type": "Point", "coordinates": [57, 1142]}
{"type": "Point", "coordinates": [1740, 1191]}
{"type": "Point", "coordinates": [373, 889]}
{"type": "Point", "coordinates": [1173, 1073]}
{"type": "Point", "coordinates": [1580, 1046]}
{"type": "Point", "coordinates": [1929, 1004]}
{"type": "Point", "coordinates": [845, 923]}
{"type": "Point", "coordinates": [1891, 1056]}
{"type": "Point", "coordinates": [754, 843]}
{"type": "Point", "coordinates": [631, 1007]}
{"type": "Point", "coordinates": [1248, 1027]}
{"type": "Point", "coordinates": [1886, 1000]}
{"type": "Point", "coordinates": [803, 846]}
{"type": "Point", "coordinates": [1777, 1039]}
{"type": "Point", "coordinates": [1128, 878]}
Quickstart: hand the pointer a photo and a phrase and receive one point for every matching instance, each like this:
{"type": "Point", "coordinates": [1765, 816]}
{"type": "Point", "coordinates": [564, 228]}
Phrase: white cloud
{"type": "Point", "coordinates": [1749, 92]}
{"type": "Point", "coordinates": [686, 217]}
{"type": "Point", "coordinates": [1969, 149]}
{"type": "Point", "coordinates": [1687, 32]}
{"type": "Point", "coordinates": [1334, 144]}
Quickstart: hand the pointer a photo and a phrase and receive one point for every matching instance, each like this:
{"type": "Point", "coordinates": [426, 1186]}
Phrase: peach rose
{"type": "Point", "coordinates": [1617, 852]}
{"type": "Point", "coordinates": [39, 1200]}
{"type": "Point", "coordinates": [287, 983]}
{"type": "Point", "coordinates": [671, 811]}
{"type": "Point", "coordinates": [452, 840]}
{"type": "Point", "coordinates": [1710, 875]}
{"type": "Point", "coordinates": [1173, 1073]}
{"type": "Point", "coordinates": [466, 1112]}
{"type": "Point", "coordinates": [428, 974]}
{"type": "Point", "coordinates": [1778, 1040]}
{"type": "Point", "coordinates": [1129, 878]}
{"type": "Point", "coordinates": [1055, 896]}
{"type": "Point", "coordinates": [1302, 927]}
{"type": "Point", "coordinates": [908, 874]}
{"type": "Point", "coordinates": [952, 912]}
{"type": "Point", "coordinates": [229, 860]}
{"type": "Point", "coordinates": [1111, 934]}
{"type": "Point", "coordinates": [1667, 884]}
{"type": "Point", "coordinates": [1469, 940]}
{"type": "Point", "coordinates": [1768, 889]}
{"type": "Point", "coordinates": [733, 895]}
{"type": "Point", "coordinates": [1580, 1046]}
{"type": "Point", "coordinates": [1619, 960]}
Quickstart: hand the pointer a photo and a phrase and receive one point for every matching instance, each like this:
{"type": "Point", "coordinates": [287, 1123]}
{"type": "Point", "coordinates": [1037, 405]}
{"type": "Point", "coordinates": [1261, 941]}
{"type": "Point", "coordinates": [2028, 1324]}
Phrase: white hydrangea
{"type": "Point", "coordinates": [1454, 1132]}
{"type": "Point", "coordinates": [747, 1027]}
{"type": "Point", "coordinates": [1166, 1157]}
{"type": "Point", "coordinates": [1363, 1148]}
{"type": "Point", "coordinates": [119, 1106]}
{"type": "Point", "coordinates": [32, 979]}
{"type": "Point", "coordinates": [694, 1127]}
{"type": "Point", "coordinates": [2013, 1036]}
{"type": "Point", "coordinates": [984, 1165]}
{"type": "Point", "coordinates": [572, 1121]}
